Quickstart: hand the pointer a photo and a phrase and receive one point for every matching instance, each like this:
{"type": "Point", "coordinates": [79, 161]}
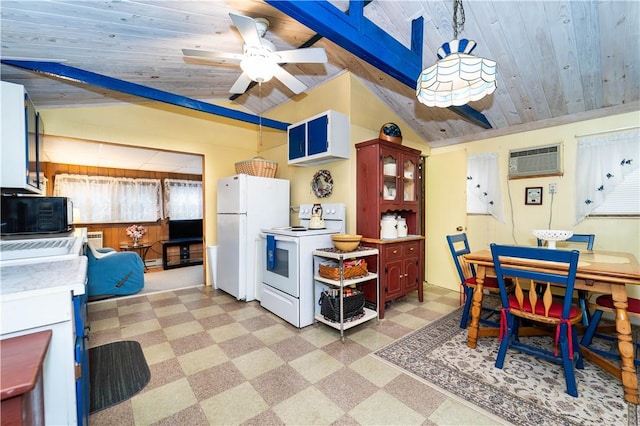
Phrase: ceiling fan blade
{"type": "Point", "coordinates": [241, 84]}
{"type": "Point", "coordinates": [295, 85]}
{"type": "Point", "coordinates": [212, 55]}
{"type": "Point", "coordinates": [307, 56]}
{"type": "Point", "coordinates": [247, 28]}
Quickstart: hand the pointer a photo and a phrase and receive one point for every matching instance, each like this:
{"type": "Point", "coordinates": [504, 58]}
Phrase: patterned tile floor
{"type": "Point", "coordinates": [215, 360]}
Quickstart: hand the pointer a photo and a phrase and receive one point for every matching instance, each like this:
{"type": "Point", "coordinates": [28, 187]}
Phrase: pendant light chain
{"type": "Point", "coordinates": [458, 24]}
{"type": "Point", "coordinates": [260, 115]}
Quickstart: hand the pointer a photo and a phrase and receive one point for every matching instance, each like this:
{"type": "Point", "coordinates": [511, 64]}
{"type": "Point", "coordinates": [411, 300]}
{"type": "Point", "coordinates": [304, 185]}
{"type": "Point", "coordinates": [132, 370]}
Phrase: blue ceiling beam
{"type": "Point", "coordinates": [358, 35]}
{"type": "Point", "coordinates": [56, 69]}
{"type": "Point", "coordinates": [355, 33]}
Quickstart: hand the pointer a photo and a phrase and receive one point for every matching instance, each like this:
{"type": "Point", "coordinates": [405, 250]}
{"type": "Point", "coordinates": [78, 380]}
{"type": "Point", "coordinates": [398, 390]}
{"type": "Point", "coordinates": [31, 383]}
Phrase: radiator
{"type": "Point", "coordinates": [95, 238]}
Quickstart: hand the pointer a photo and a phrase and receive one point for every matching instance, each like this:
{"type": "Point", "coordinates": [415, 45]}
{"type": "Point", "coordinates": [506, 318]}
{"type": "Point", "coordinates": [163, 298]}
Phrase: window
{"type": "Point", "coordinates": [483, 185]}
{"type": "Point", "coordinates": [103, 199]}
{"type": "Point", "coordinates": [182, 199]}
{"type": "Point", "coordinates": [624, 199]}
{"type": "Point", "coordinates": [607, 168]}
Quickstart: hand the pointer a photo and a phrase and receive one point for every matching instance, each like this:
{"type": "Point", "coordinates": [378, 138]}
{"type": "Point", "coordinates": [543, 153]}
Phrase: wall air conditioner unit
{"type": "Point", "coordinates": [535, 162]}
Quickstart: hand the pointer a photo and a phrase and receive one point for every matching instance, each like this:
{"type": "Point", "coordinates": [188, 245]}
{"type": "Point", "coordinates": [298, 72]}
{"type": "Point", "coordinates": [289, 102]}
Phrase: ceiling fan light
{"type": "Point", "coordinates": [457, 78]}
{"type": "Point", "coordinates": [258, 68]}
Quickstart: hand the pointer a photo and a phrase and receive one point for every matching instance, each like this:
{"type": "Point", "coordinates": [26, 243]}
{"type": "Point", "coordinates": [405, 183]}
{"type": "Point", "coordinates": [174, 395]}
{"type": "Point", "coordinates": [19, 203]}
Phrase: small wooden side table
{"type": "Point", "coordinates": [21, 378]}
{"type": "Point", "coordinates": [141, 249]}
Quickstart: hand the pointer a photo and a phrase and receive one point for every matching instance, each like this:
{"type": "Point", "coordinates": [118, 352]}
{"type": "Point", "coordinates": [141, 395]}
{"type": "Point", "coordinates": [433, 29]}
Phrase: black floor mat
{"type": "Point", "coordinates": [117, 372]}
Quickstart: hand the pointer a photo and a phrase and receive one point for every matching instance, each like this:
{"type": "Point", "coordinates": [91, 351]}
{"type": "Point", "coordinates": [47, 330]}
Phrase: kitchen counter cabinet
{"type": "Point", "coordinates": [22, 396]}
{"type": "Point", "coordinates": [37, 297]}
{"type": "Point", "coordinates": [400, 267]}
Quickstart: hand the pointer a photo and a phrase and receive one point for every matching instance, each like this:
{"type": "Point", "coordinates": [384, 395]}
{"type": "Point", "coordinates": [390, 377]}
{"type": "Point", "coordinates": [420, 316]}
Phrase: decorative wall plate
{"type": "Point", "coordinates": [322, 183]}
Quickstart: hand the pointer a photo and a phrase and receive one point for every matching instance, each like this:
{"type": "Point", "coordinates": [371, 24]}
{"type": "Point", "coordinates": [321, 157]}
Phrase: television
{"type": "Point", "coordinates": [186, 229]}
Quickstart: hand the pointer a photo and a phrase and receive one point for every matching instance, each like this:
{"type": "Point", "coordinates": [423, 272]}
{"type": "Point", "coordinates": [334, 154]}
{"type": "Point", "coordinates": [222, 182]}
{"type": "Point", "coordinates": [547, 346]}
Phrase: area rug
{"type": "Point", "coordinates": [526, 391]}
{"type": "Point", "coordinates": [117, 372]}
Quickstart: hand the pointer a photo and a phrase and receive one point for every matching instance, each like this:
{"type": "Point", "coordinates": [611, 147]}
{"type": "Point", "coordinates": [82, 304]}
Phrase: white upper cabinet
{"type": "Point", "coordinates": [319, 139]}
{"type": "Point", "coordinates": [21, 140]}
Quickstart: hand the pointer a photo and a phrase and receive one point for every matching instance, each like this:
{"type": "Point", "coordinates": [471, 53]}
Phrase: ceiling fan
{"type": "Point", "coordinates": [260, 60]}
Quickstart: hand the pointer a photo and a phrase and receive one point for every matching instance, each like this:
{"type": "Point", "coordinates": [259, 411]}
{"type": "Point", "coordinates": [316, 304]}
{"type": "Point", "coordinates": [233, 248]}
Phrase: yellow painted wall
{"type": "Point", "coordinates": [613, 234]}
{"type": "Point", "coordinates": [347, 95]}
{"type": "Point", "coordinates": [223, 142]}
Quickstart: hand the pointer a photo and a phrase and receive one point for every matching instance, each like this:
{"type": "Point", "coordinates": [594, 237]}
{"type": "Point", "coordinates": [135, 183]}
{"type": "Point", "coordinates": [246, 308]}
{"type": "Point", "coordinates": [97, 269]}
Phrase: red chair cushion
{"type": "Point", "coordinates": [607, 301]}
{"type": "Point", "coordinates": [554, 312]}
{"type": "Point", "coordinates": [488, 282]}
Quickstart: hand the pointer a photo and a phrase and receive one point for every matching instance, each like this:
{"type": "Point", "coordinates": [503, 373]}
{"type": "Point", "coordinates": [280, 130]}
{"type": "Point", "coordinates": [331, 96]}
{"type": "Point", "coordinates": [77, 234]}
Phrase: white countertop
{"type": "Point", "coordinates": [24, 248]}
{"type": "Point", "coordinates": [34, 279]}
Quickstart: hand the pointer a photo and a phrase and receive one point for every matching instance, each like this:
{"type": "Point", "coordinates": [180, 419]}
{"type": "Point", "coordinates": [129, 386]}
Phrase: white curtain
{"type": "Point", "coordinates": [483, 185]}
{"type": "Point", "coordinates": [602, 163]}
{"type": "Point", "coordinates": [104, 199]}
{"type": "Point", "coordinates": [183, 199]}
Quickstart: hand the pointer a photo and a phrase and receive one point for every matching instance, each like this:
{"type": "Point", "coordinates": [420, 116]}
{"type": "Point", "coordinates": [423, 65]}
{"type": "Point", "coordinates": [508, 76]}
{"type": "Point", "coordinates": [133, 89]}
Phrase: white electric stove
{"type": "Point", "coordinates": [286, 286]}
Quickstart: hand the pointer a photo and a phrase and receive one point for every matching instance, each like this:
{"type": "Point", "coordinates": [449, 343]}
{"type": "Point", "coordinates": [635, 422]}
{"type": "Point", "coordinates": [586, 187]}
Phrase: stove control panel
{"type": "Point", "coordinates": [330, 211]}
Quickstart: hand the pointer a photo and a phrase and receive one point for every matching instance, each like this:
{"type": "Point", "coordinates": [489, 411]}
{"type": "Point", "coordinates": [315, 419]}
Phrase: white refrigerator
{"type": "Point", "coordinates": [246, 204]}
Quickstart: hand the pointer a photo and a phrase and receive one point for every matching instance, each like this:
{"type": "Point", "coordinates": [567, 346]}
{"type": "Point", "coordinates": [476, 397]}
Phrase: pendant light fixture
{"type": "Point", "coordinates": [458, 77]}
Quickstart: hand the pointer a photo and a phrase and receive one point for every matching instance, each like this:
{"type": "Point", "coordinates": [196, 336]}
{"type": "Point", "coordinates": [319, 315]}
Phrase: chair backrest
{"type": "Point", "coordinates": [577, 238]}
{"type": "Point", "coordinates": [519, 271]}
{"type": "Point", "coordinates": [583, 238]}
{"type": "Point", "coordinates": [465, 269]}
{"type": "Point", "coordinates": [97, 254]}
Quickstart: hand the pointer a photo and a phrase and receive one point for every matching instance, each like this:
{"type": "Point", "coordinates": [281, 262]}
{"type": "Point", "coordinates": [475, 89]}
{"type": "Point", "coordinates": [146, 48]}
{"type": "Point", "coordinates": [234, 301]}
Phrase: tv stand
{"type": "Point", "coordinates": [182, 252]}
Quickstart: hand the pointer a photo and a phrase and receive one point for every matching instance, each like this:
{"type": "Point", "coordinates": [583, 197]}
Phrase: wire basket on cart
{"type": "Point", "coordinates": [352, 302]}
{"type": "Point", "coordinates": [257, 167]}
{"type": "Point", "coordinates": [351, 269]}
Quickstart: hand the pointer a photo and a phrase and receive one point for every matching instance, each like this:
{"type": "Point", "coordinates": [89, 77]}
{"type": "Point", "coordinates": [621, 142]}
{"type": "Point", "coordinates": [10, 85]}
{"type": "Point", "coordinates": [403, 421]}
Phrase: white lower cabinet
{"type": "Point", "coordinates": [341, 287]}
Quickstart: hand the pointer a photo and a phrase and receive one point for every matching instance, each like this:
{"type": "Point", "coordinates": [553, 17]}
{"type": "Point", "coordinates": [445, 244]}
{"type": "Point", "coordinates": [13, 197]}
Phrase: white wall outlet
{"type": "Point", "coordinates": [553, 188]}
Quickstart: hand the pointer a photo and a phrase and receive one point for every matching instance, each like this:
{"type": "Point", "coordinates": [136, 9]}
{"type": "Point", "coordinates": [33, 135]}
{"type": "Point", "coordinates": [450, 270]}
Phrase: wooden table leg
{"type": "Point", "coordinates": [476, 308]}
{"type": "Point", "coordinates": [625, 344]}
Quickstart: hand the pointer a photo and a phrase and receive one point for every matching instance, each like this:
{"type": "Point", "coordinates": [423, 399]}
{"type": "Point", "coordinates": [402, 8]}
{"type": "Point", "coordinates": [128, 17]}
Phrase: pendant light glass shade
{"type": "Point", "coordinates": [457, 78]}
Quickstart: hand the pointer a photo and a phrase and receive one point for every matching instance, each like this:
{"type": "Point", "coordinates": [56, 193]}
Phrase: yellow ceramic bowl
{"type": "Point", "coordinates": [346, 242]}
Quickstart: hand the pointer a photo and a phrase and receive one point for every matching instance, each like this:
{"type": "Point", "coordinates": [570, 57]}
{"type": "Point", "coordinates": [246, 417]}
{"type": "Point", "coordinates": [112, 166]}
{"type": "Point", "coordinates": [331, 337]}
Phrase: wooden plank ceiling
{"type": "Point", "coordinates": [557, 60]}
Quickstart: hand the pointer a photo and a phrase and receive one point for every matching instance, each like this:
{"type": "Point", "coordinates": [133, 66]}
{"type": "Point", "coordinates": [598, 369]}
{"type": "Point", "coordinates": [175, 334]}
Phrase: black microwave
{"type": "Point", "coordinates": [35, 215]}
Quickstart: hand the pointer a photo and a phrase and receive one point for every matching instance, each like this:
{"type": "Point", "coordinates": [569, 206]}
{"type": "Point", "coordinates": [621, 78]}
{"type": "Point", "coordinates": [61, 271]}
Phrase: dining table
{"type": "Point", "coordinates": [603, 272]}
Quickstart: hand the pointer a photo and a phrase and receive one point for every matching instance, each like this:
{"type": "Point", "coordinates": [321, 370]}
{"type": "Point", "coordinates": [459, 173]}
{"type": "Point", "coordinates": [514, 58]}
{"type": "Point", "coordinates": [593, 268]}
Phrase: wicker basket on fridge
{"type": "Point", "coordinates": [257, 167]}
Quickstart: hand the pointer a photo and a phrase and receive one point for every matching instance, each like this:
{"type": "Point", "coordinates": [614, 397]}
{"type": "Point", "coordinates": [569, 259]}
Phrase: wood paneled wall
{"type": "Point", "coordinates": [114, 234]}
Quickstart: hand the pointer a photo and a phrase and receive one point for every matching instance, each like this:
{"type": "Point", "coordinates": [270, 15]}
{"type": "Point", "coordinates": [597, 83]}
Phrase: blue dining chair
{"type": "Point", "coordinates": [459, 246]}
{"type": "Point", "coordinates": [577, 238]}
{"type": "Point", "coordinates": [524, 304]}
{"type": "Point", "coordinates": [604, 303]}
{"type": "Point", "coordinates": [583, 295]}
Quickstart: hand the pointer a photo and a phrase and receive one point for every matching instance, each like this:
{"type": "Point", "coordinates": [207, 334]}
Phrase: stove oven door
{"type": "Point", "coordinates": [279, 288]}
